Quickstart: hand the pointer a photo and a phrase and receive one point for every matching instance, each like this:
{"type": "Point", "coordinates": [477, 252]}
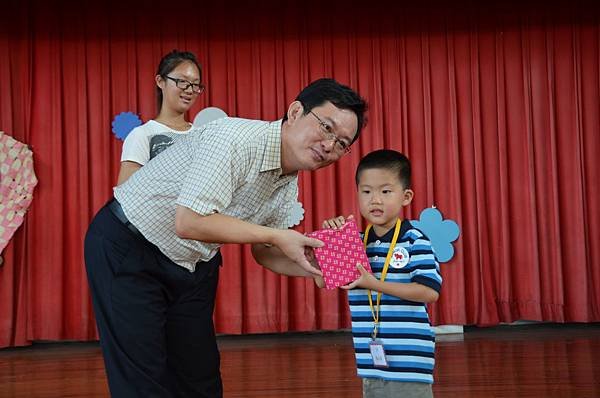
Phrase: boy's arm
{"type": "Point", "coordinates": [406, 291]}
{"type": "Point", "coordinates": [412, 291]}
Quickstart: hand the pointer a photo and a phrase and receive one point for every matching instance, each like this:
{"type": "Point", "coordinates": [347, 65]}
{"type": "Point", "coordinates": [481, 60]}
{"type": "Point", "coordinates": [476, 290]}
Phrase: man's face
{"type": "Point", "coordinates": [316, 139]}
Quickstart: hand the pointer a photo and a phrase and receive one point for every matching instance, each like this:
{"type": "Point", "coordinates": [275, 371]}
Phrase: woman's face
{"type": "Point", "coordinates": [180, 87]}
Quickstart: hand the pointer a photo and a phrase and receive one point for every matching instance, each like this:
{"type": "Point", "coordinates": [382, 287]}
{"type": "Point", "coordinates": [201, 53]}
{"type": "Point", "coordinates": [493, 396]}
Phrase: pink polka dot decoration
{"type": "Point", "coordinates": [337, 259]}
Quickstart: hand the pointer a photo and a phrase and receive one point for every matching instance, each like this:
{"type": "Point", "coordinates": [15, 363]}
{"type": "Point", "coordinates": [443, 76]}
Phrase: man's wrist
{"type": "Point", "coordinates": [270, 237]}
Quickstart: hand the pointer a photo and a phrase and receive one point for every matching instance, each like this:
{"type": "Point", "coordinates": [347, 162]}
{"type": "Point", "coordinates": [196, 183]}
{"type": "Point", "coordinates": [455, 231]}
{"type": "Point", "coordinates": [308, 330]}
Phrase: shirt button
{"type": "Point", "coordinates": [375, 258]}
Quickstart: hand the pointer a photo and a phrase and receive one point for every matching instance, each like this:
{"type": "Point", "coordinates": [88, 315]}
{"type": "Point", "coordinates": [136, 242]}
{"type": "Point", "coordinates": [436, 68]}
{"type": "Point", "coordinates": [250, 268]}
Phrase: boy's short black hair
{"type": "Point", "coordinates": [343, 97]}
{"type": "Point", "coordinates": [389, 160]}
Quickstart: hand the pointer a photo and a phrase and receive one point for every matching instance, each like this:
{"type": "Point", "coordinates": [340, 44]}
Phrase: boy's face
{"type": "Point", "coordinates": [381, 196]}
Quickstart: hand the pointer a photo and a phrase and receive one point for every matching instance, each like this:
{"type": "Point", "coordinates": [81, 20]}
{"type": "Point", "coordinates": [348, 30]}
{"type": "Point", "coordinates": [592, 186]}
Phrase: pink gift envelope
{"type": "Point", "coordinates": [337, 259]}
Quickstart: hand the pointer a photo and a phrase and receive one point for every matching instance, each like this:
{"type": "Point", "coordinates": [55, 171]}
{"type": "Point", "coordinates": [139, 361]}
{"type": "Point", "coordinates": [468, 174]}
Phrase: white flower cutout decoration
{"type": "Point", "coordinates": [207, 115]}
{"type": "Point", "coordinates": [297, 214]}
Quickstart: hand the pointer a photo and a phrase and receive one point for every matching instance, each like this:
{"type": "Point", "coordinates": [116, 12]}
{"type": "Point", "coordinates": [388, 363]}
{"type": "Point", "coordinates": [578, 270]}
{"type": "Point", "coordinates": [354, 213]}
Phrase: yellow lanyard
{"type": "Point", "coordinates": [375, 312]}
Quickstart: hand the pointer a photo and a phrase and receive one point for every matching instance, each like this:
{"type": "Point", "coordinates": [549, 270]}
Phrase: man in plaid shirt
{"type": "Point", "coordinates": [152, 253]}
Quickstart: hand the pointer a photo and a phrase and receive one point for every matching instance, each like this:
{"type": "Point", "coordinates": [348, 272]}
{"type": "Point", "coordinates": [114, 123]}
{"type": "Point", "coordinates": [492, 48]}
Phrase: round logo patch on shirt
{"type": "Point", "coordinates": [400, 258]}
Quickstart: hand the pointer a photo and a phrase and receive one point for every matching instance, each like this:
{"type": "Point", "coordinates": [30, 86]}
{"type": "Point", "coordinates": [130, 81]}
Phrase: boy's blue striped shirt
{"type": "Point", "coordinates": [404, 327]}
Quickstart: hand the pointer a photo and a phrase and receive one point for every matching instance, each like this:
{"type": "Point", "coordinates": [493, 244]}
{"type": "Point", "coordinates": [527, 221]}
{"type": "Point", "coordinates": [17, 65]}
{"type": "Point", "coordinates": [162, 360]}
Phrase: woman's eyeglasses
{"type": "Point", "coordinates": [183, 85]}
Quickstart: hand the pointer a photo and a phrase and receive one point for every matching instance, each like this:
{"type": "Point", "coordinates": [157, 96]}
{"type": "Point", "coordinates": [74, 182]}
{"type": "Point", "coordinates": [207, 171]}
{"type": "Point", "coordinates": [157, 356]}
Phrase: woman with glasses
{"type": "Point", "coordinates": [178, 84]}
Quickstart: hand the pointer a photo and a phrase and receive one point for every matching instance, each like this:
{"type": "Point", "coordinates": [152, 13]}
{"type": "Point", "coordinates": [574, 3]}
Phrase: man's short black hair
{"type": "Point", "coordinates": [343, 97]}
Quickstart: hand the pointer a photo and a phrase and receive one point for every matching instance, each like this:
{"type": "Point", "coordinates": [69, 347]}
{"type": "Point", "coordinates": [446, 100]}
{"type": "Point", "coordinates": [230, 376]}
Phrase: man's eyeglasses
{"type": "Point", "coordinates": [183, 85]}
{"type": "Point", "coordinates": [340, 147]}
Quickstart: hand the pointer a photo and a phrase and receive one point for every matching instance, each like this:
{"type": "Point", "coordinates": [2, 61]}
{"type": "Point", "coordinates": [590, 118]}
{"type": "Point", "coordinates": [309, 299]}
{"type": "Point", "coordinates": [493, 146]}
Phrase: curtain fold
{"type": "Point", "coordinates": [498, 109]}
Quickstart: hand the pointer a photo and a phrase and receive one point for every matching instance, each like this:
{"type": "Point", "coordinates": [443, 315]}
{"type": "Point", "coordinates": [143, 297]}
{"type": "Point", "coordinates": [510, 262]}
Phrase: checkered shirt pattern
{"type": "Point", "coordinates": [230, 166]}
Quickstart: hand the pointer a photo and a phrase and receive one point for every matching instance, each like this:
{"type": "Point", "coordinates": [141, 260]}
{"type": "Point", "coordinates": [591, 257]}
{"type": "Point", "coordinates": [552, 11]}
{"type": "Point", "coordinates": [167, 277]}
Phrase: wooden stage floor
{"type": "Point", "coordinates": [540, 360]}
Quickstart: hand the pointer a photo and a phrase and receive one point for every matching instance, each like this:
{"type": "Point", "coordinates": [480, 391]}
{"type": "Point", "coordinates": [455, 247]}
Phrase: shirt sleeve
{"type": "Point", "coordinates": [424, 266]}
{"type": "Point", "coordinates": [136, 147]}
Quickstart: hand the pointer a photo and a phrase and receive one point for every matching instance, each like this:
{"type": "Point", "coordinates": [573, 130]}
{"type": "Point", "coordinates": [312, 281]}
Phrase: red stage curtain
{"type": "Point", "coordinates": [497, 108]}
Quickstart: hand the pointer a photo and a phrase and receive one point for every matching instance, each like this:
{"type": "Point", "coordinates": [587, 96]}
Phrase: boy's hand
{"type": "Point", "coordinates": [336, 222]}
{"type": "Point", "coordinates": [365, 281]}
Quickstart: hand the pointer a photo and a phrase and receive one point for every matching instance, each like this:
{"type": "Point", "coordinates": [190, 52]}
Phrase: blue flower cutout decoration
{"type": "Point", "coordinates": [123, 123]}
{"type": "Point", "coordinates": [441, 232]}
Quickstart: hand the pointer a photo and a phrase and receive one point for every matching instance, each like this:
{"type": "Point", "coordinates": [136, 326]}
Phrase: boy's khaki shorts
{"type": "Point", "coordinates": [378, 388]}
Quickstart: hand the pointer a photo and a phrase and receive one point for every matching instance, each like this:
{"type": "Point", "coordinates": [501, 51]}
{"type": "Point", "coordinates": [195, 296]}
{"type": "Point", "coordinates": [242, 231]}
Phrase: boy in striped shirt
{"type": "Point", "coordinates": [393, 339]}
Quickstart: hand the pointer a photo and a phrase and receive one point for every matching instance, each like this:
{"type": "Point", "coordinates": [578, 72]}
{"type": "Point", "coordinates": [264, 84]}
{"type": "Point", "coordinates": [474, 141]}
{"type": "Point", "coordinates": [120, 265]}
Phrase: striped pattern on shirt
{"type": "Point", "coordinates": [230, 166]}
{"type": "Point", "coordinates": [404, 328]}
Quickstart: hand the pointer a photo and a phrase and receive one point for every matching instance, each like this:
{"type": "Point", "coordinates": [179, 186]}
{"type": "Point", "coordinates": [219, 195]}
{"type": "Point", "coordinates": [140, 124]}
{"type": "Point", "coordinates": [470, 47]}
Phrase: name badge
{"type": "Point", "coordinates": [378, 354]}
